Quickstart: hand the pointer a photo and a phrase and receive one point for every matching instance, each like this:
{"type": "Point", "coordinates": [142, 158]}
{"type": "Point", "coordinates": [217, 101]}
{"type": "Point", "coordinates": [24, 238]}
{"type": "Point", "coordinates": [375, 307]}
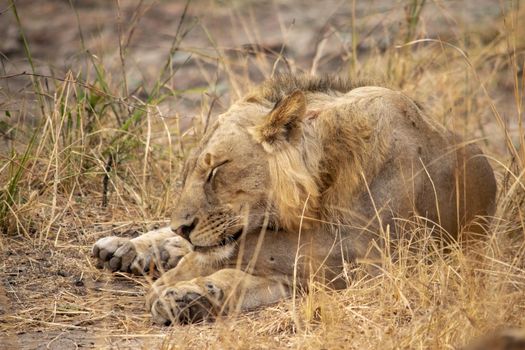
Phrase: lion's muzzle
{"type": "Point", "coordinates": [184, 230]}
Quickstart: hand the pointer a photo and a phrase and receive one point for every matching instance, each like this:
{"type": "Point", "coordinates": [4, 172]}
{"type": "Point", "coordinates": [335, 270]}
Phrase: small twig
{"type": "Point", "coordinates": [122, 49]}
{"type": "Point", "coordinates": [5, 10]}
{"type": "Point", "coordinates": [215, 98]}
{"type": "Point", "coordinates": [105, 181]}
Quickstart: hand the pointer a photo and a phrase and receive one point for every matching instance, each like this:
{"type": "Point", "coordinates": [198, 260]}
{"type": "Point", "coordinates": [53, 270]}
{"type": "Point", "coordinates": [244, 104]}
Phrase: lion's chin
{"type": "Point", "coordinates": [215, 254]}
{"type": "Point", "coordinates": [228, 241]}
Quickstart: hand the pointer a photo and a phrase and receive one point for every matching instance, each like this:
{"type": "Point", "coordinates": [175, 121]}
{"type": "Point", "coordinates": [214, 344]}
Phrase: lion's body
{"type": "Point", "coordinates": [378, 138]}
{"type": "Point", "coordinates": [319, 166]}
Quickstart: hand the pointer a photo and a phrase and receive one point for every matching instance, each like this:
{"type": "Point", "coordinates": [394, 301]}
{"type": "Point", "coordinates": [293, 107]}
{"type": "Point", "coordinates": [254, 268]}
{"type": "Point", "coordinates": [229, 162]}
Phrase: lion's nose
{"type": "Point", "coordinates": [184, 229]}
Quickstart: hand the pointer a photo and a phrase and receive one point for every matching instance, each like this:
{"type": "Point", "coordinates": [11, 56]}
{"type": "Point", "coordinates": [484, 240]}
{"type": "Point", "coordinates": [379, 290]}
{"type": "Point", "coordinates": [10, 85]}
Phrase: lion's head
{"type": "Point", "coordinates": [224, 183]}
{"type": "Point", "coordinates": [250, 170]}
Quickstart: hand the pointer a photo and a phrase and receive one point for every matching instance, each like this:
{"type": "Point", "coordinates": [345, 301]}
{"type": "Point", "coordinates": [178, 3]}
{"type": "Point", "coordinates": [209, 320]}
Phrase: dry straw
{"type": "Point", "coordinates": [100, 159]}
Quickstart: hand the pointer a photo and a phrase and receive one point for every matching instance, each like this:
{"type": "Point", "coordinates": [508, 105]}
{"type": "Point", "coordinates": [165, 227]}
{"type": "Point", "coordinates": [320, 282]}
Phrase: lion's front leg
{"type": "Point", "coordinates": [161, 247]}
{"type": "Point", "coordinates": [204, 298]}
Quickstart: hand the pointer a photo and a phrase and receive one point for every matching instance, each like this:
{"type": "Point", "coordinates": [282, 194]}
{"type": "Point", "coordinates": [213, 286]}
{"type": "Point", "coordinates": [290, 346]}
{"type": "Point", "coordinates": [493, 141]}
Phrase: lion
{"type": "Point", "coordinates": [300, 177]}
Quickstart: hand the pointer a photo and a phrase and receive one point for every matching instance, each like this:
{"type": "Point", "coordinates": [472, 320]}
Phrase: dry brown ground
{"type": "Point", "coordinates": [51, 296]}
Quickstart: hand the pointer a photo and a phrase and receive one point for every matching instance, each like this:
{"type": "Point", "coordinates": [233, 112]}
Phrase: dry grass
{"type": "Point", "coordinates": [94, 151]}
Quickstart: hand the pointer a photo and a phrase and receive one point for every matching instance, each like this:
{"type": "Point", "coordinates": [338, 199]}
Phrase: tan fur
{"type": "Point", "coordinates": [314, 173]}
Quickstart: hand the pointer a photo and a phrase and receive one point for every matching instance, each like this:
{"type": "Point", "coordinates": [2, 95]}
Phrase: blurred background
{"type": "Point", "coordinates": [197, 46]}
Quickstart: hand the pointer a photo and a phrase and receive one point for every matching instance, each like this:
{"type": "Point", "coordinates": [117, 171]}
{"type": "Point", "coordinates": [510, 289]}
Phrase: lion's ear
{"type": "Point", "coordinates": [283, 124]}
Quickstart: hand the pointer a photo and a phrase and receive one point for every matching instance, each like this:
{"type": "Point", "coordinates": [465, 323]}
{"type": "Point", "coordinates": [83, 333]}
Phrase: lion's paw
{"type": "Point", "coordinates": [105, 248]}
{"type": "Point", "coordinates": [185, 304]}
{"type": "Point", "coordinates": [172, 250]}
{"type": "Point", "coordinates": [122, 254]}
{"type": "Point", "coordinates": [131, 257]}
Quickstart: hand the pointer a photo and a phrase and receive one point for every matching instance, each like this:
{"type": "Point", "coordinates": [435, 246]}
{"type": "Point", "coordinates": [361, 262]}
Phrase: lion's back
{"type": "Point", "coordinates": [425, 169]}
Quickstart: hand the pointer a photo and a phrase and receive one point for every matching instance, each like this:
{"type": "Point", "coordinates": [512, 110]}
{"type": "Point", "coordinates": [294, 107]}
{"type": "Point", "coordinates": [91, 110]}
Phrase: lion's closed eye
{"type": "Point", "coordinates": [213, 172]}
